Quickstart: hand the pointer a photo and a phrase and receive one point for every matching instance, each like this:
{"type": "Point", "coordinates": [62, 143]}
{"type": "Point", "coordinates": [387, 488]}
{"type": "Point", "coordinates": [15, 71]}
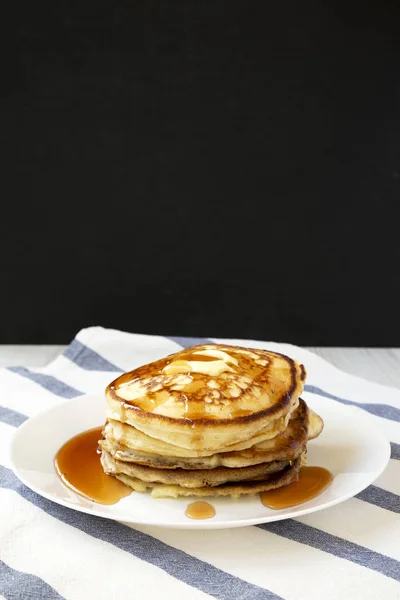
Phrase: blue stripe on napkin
{"type": "Point", "coordinates": [305, 534]}
{"type": "Point", "coordinates": [379, 410]}
{"type": "Point", "coordinates": [11, 417]}
{"type": "Point", "coordinates": [15, 584]}
{"type": "Point", "coordinates": [50, 383]}
{"type": "Point", "coordinates": [380, 497]}
{"type": "Point", "coordinates": [395, 453]}
{"type": "Point", "coordinates": [88, 359]}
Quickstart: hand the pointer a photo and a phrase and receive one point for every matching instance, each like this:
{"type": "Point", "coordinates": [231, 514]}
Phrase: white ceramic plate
{"type": "Point", "coordinates": [351, 447]}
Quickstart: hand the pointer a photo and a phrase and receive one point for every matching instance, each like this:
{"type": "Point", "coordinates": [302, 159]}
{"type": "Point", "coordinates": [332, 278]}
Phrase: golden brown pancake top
{"type": "Point", "coordinates": [211, 382]}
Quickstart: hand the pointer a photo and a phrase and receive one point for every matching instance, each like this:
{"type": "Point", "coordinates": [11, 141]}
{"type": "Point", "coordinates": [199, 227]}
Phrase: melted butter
{"type": "Point", "coordinates": [311, 483]}
{"type": "Point", "coordinates": [78, 465]}
{"type": "Point", "coordinates": [200, 510]}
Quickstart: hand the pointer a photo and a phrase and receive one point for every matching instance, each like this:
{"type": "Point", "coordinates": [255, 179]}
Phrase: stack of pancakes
{"type": "Point", "coordinates": [211, 420]}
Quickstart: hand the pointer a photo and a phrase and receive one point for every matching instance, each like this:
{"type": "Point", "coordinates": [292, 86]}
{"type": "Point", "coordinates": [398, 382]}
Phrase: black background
{"type": "Point", "coordinates": [201, 168]}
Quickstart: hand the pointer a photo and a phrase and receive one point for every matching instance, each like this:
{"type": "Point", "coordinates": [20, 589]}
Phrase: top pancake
{"type": "Point", "coordinates": [208, 396]}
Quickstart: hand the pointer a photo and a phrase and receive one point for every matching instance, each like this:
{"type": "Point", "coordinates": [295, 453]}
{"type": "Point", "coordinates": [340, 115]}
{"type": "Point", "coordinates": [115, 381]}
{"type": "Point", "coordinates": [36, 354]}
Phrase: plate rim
{"type": "Point", "coordinates": [194, 524]}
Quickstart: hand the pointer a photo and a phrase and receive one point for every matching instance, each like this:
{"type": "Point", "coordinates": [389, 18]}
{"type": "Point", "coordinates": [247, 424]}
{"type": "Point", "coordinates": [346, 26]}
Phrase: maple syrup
{"type": "Point", "coordinates": [200, 357]}
{"type": "Point", "coordinates": [311, 483]}
{"type": "Point", "coordinates": [200, 510]}
{"type": "Point", "coordinates": [78, 465]}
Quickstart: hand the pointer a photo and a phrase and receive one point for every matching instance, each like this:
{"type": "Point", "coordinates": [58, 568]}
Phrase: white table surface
{"type": "Point", "coordinates": [381, 365]}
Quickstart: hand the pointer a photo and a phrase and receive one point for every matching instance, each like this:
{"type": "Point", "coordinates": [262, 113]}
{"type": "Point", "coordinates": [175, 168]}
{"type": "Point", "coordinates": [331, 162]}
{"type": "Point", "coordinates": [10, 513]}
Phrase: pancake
{"type": "Point", "coordinates": [208, 398]}
{"type": "Point", "coordinates": [235, 490]}
{"type": "Point", "coordinates": [315, 424]}
{"type": "Point", "coordinates": [285, 446]}
{"type": "Point", "coordinates": [132, 438]}
{"type": "Point", "coordinates": [211, 420]}
{"type": "Point", "coordinates": [190, 479]}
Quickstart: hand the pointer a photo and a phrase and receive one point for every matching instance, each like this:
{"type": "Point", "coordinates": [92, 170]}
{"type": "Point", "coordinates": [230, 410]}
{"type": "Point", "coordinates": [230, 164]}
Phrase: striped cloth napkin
{"type": "Point", "coordinates": [47, 551]}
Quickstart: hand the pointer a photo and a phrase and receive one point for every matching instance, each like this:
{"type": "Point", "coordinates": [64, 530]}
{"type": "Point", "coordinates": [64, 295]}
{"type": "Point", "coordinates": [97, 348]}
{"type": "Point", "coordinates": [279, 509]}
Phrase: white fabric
{"type": "Point", "coordinates": [55, 553]}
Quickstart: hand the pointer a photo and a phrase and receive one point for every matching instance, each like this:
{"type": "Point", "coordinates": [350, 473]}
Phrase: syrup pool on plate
{"type": "Point", "coordinates": [78, 465]}
{"type": "Point", "coordinates": [311, 483]}
{"type": "Point", "coordinates": [200, 510]}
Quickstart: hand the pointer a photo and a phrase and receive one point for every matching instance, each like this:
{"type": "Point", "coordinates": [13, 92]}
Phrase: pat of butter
{"type": "Point", "coordinates": [213, 367]}
{"type": "Point", "coordinates": [218, 354]}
